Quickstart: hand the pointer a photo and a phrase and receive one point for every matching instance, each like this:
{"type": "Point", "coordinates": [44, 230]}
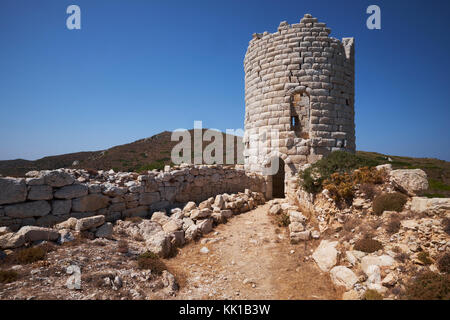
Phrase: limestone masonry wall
{"type": "Point", "coordinates": [48, 197]}
{"type": "Point", "coordinates": [299, 81]}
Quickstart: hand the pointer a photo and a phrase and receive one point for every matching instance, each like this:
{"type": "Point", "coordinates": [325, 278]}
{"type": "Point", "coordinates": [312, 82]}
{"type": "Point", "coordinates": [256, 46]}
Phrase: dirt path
{"type": "Point", "coordinates": [250, 258]}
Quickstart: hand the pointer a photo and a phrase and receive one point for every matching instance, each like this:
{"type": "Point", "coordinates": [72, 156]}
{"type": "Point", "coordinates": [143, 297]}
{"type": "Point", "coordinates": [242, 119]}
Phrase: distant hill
{"type": "Point", "coordinates": [154, 153]}
{"type": "Point", "coordinates": [141, 155]}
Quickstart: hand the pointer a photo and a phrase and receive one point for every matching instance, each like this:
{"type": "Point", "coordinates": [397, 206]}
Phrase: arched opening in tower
{"type": "Point", "coordinates": [278, 181]}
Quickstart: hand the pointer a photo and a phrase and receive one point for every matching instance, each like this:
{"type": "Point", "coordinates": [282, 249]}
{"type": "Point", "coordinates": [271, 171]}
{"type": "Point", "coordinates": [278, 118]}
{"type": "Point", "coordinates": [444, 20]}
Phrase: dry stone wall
{"type": "Point", "coordinates": [45, 198]}
{"type": "Point", "coordinates": [299, 81]}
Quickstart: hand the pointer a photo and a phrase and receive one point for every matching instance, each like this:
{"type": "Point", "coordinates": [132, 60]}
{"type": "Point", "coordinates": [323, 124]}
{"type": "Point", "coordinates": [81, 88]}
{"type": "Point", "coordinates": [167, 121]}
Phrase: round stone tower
{"type": "Point", "coordinates": [299, 99]}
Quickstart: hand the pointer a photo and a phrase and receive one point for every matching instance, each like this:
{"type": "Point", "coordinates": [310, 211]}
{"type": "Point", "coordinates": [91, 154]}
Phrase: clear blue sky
{"type": "Point", "coordinates": [137, 68]}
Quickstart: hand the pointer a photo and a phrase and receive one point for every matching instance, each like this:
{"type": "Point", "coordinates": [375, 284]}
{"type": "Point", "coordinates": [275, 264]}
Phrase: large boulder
{"type": "Point", "coordinates": [11, 241]}
{"type": "Point", "coordinates": [89, 223]}
{"type": "Point", "coordinates": [72, 191]}
{"type": "Point", "coordinates": [411, 181]}
{"type": "Point", "coordinates": [205, 226]}
{"type": "Point", "coordinates": [173, 225]}
{"type": "Point", "coordinates": [33, 233]}
{"type": "Point", "coordinates": [12, 190]}
{"type": "Point", "coordinates": [326, 255]}
{"type": "Point", "coordinates": [159, 243]}
{"type": "Point", "coordinates": [91, 202]}
{"type": "Point", "coordinates": [430, 206]}
{"type": "Point", "coordinates": [28, 209]}
{"type": "Point", "coordinates": [68, 224]}
{"type": "Point", "coordinates": [200, 213]}
{"type": "Point", "coordinates": [40, 193]}
{"type": "Point", "coordinates": [58, 178]}
{"type": "Point", "coordinates": [189, 206]}
{"type": "Point", "coordinates": [343, 276]}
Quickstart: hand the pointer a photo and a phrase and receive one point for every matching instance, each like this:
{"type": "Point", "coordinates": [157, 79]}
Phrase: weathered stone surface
{"type": "Point", "coordinates": [68, 224]}
{"type": "Point", "coordinates": [33, 233]}
{"type": "Point", "coordinates": [160, 217]}
{"type": "Point", "coordinates": [295, 216]}
{"type": "Point", "coordinates": [326, 255]}
{"type": "Point", "coordinates": [438, 206]}
{"type": "Point", "coordinates": [4, 230]}
{"type": "Point", "coordinates": [60, 207]}
{"type": "Point", "coordinates": [412, 181]}
{"type": "Point", "coordinates": [380, 261]}
{"type": "Point", "coordinates": [65, 236]}
{"type": "Point", "coordinates": [91, 202]}
{"type": "Point", "coordinates": [172, 225]}
{"type": "Point", "coordinates": [192, 232]}
{"type": "Point", "coordinates": [40, 193]}
{"type": "Point", "coordinates": [105, 231]}
{"type": "Point", "coordinates": [343, 276]}
{"type": "Point", "coordinates": [58, 178]}
{"type": "Point", "coordinates": [72, 191]}
{"type": "Point", "coordinates": [205, 226]}
{"type": "Point", "coordinates": [149, 198]}
{"type": "Point", "coordinates": [141, 211]}
{"type": "Point", "coordinates": [200, 213]}
{"type": "Point", "coordinates": [11, 241]}
{"type": "Point", "coordinates": [189, 206]}
{"type": "Point", "coordinates": [89, 223]}
{"type": "Point", "coordinates": [296, 237]}
{"type": "Point", "coordinates": [28, 209]}
{"type": "Point", "coordinates": [160, 244]}
{"type": "Point", "coordinates": [12, 190]}
{"type": "Point", "coordinates": [219, 202]}
{"type": "Point", "coordinates": [275, 209]}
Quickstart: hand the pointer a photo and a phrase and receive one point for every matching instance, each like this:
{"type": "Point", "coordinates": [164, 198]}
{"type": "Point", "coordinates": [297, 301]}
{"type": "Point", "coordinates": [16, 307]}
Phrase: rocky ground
{"type": "Point", "coordinates": [238, 247]}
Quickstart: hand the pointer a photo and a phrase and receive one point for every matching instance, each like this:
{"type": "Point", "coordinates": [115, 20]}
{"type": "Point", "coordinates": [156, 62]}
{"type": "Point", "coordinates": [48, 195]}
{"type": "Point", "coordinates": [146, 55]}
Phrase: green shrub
{"type": "Point", "coordinates": [8, 276]}
{"type": "Point", "coordinates": [372, 295]}
{"type": "Point", "coordinates": [424, 257]}
{"type": "Point", "coordinates": [30, 255]}
{"type": "Point", "coordinates": [340, 186]}
{"type": "Point", "coordinates": [389, 202]}
{"type": "Point", "coordinates": [151, 261]}
{"type": "Point", "coordinates": [438, 185]}
{"type": "Point", "coordinates": [428, 286]}
{"type": "Point", "coordinates": [368, 245]}
{"type": "Point", "coordinates": [443, 263]}
{"type": "Point", "coordinates": [336, 162]}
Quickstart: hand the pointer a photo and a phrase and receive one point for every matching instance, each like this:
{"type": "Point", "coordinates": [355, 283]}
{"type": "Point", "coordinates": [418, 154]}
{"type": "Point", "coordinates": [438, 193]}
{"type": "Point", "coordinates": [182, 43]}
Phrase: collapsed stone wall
{"type": "Point", "coordinates": [300, 82]}
{"type": "Point", "coordinates": [45, 198]}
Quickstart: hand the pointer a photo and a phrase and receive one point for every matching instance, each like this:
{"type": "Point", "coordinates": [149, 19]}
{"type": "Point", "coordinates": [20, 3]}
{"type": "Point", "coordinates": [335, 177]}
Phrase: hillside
{"type": "Point", "coordinates": [145, 154]}
{"type": "Point", "coordinates": [154, 153]}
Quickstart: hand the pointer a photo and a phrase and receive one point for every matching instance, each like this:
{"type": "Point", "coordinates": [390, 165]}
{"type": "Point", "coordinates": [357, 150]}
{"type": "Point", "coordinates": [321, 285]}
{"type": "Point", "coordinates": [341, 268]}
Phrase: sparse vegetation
{"type": "Point", "coordinates": [428, 286]}
{"type": "Point", "coordinates": [372, 295]}
{"type": "Point", "coordinates": [394, 224]}
{"type": "Point", "coordinates": [29, 255]}
{"type": "Point", "coordinates": [402, 257]}
{"type": "Point", "coordinates": [424, 257]}
{"type": "Point", "coordinates": [122, 246]}
{"type": "Point", "coordinates": [8, 276]}
{"type": "Point", "coordinates": [443, 263]}
{"type": "Point", "coordinates": [336, 162]}
{"type": "Point", "coordinates": [368, 245]}
{"type": "Point", "coordinates": [369, 190]}
{"type": "Point", "coordinates": [283, 220]}
{"type": "Point", "coordinates": [389, 202]}
{"type": "Point", "coordinates": [446, 223]}
{"type": "Point", "coordinates": [151, 261]}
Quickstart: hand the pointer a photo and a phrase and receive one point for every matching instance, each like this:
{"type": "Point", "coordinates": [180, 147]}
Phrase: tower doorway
{"type": "Point", "coordinates": [278, 181]}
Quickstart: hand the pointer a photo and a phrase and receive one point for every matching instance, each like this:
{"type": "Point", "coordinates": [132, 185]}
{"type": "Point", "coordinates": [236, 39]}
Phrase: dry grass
{"type": "Point", "coordinates": [368, 245]}
{"type": "Point", "coordinates": [8, 276]}
{"type": "Point", "coordinates": [151, 261]}
{"type": "Point", "coordinates": [29, 255]}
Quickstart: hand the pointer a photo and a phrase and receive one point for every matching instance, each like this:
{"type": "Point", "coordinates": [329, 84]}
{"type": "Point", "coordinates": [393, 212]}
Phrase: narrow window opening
{"type": "Point", "coordinates": [347, 102]}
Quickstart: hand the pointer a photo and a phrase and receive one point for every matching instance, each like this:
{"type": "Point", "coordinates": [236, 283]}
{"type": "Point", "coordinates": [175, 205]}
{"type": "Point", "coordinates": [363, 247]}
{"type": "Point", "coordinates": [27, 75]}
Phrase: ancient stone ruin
{"type": "Point", "coordinates": [300, 82]}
